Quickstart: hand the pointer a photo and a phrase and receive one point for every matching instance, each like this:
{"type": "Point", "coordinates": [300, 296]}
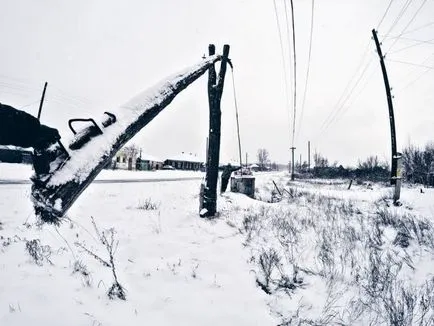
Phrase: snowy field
{"type": "Point", "coordinates": [318, 255]}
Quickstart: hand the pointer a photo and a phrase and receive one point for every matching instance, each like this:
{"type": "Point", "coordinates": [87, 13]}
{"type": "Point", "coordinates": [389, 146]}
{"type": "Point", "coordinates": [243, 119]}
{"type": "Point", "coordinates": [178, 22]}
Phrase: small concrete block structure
{"type": "Point", "coordinates": [243, 184]}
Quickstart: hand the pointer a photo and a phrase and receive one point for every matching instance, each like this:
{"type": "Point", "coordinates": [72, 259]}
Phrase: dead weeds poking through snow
{"type": "Point", "coordinates": [360, 259]}
{"type": "Point", "coordinates": [107, 239]}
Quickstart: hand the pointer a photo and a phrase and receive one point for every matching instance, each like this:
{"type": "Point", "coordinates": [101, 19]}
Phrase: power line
{"type": "Point", "coordinates": [419, 76]}
{"type": "Point", "coordinates": [295, 72]}
{"type": "Point", "coordinates": [419, 28]}
{"type": "Point", "coordinates": [290, 59]}
{"type": "Point", "coordinates": [347, 87]}
{"type": "Point", "coordinates": [357, 96]}
{"type": "Point", "coordinates": [398, 18]}
{"type": "Point", "coordinates": [419, 42]}
{"type": "Point", "coordinates": [385, 13]}
{"type": "Point", "coordinates": [415, 80]}
{"type": "Point", "coordinates": [285, 75]}
{"type": "Point", "coordinates": [308, 68]}
{"type": "Point", "coordinates": [335, 116]}
{"type": "Point", "coordinates": [411, 64]}
{"type": "Point", "coordinates": [409, 23]}
{"type": "Point", "coordinates": [339, 105]}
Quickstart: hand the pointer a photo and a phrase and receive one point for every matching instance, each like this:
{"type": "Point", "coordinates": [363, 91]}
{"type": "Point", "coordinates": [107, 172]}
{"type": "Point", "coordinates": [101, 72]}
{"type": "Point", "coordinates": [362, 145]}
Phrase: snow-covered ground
{"type": "Point", "coordinates": [177, 268]}
{"type": "Point", "coordinates": [322, 244]}
{"type": "Point", "coordinates": [327, 255]}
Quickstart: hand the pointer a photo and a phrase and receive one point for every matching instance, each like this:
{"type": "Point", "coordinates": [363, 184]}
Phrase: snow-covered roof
{"type": "Point", "coordinates": [147, 157]}
{"type": "Point", "coordinates": [186, 158]}
{"type": "Point", "coordinates": [253, 166]}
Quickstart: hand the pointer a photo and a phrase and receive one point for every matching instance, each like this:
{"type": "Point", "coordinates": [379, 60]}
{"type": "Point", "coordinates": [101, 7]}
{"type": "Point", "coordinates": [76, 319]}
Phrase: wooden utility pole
{"type": "Point", "coordinates": [215, 91]}
{"type": "Point", "coordinates": [394, 165]}
{"type": "Point", "coordinates": [42, 101]}
{"type": "Point", "coordinates": [308, 155]}
{"type": "Point", "coordinates": [206, 152]}
{"type": "Point", "coordinates": [246, 159]}
{"type": "Point", "coordinates": [292, 163]}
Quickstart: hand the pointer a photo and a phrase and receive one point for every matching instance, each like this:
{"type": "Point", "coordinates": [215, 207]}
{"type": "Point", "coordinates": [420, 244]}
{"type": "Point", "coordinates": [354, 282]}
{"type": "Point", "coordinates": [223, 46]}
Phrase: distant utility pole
{"type": "Point", "coordinates": [246, 159]}
{"type": "Point", "coordinates": [215, 91]}
{"type": "Point", "coordinates": [308, 155]}
{"type": "Point", "coordinates": [292, 163]}
{"type": "Point", "coordinates": [394, 166]}
{"type": "Point", "coordinates": [41, 103]}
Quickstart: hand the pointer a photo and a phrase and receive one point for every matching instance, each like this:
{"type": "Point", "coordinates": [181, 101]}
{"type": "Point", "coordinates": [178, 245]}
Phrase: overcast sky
{"type": "Point", "coordinates": [97, 54]}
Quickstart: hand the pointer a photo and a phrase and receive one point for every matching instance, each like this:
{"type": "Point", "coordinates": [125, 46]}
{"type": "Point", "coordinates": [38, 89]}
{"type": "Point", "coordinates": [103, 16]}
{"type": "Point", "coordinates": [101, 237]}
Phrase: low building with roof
{"type": "Point", "coordinates": [148, 163]}
{"type": "Point", "coordinates": [185, 161]}
{"type": "Point", "coordinates": [14, 154]}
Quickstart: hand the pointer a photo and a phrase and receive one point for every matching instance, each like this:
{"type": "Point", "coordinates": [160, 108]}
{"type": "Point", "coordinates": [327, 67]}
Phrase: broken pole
{"type": "Point", "coordinates": [215, 91]}
{"type": "Point", "coordinates": [394, 166]}
{"type": "Point", "coordinates": [42, 101]}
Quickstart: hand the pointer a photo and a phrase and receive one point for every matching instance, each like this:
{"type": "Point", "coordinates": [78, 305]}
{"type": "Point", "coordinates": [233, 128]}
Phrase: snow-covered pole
{"type": "Point", "coordinates": [215, 91]}
{"type": "Point", "coordinates": [54, 193]}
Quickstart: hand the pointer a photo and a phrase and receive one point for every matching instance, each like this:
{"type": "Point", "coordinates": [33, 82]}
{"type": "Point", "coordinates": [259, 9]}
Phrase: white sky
{"type": "Point", "coordinates": [97, 54]}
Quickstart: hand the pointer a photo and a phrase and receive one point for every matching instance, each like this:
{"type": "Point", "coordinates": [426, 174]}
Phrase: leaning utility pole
{"type": "Point", "coordinates": [292, 163]}
{"type": "Point", "coordinates": [215, 91]}
{"type": "Point", "coordinates": [394, 165]}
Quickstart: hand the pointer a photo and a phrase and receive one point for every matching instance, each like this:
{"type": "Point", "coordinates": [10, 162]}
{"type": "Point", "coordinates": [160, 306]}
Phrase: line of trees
{"type": "Point", "coordinates": [417, 166]}
{"type": "Point", "coordinates": [418, 162]}
{"type": "Point", "coordinates": [264, 161]}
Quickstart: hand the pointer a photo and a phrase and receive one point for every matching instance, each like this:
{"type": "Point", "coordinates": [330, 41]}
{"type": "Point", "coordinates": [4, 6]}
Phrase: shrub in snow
{"type": "Point", "coordinates": [107, 239]}
{"type": "Point", "coordinates": [148, 205]}
{"type": "Point", "coordinates": [38, 252]}
{"type": "Point", "coordinates": [80, 268]}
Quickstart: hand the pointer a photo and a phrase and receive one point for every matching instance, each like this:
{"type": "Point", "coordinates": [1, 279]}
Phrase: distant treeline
{"type": "Point", "coordinates": [417, 167]}
{"type": "Point", "coordinates": [377, 173]}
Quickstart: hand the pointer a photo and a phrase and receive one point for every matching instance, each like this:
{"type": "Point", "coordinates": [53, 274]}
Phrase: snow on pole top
{"type": "Point", "coordinates": [86, 160]}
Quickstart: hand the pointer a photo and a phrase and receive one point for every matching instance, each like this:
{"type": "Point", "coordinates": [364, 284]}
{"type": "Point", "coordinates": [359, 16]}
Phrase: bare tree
{"type": "Point", "coordinates": [263, 158]}
{"type": "Point", "coordinates": [131, 150]}
{"type": "Point", "coordinates": [320, 161]}
{"type": "Point", "coordinates": [370, 163]}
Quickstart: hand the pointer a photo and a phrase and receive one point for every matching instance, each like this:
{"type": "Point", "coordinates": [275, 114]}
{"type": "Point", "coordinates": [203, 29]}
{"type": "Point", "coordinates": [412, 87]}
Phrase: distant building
{"type": "Point", "coordinates": [125, 160]}
{"type": "Point", "coordinates": [185, 162]}
{"type": "Point", "coordinates": [148, 163]}
{"type": "Point", "coordinates": [13, 154]}
{"type": "Point", "coordinates": [254, 167]}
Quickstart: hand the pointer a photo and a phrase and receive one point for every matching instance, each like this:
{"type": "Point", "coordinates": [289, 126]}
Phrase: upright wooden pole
{"type": "Point", "coordinates": [394, 166]}
{"type": "Point", "coordinates": [206, 152]}
{"type": "Point", "coordinates": [42, 101]}
{"type": "Point", "coordinates": [308, 155]}
{"type": "Point", "coordinates": [215, 91]}
{"type": "Point", "coordinates": [292, 163]}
